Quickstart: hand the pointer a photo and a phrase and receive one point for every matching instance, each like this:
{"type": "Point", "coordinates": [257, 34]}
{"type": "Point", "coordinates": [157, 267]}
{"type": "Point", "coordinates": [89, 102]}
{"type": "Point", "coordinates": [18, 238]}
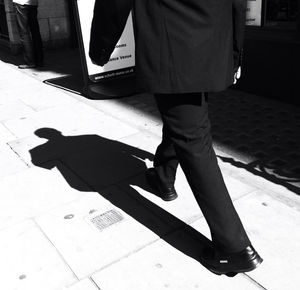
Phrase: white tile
{"type": "Point", "coordinates": [161, 266]}
{"type": "Point", "coordinates": [15, 92]}
{"type": "Point", "coordinates": [236, 187]}
{"type": "Point", "coordinates": [280, 192]}
{"type": "Point", "coordinates": [273, 230]}
{"type": "Point", "coordinates": [20, 81]}
{"type": "Point", "coordinates": [5, 134]}
{"type": "Point", "coordinates": [85, 284]}
{"type": "Point", "coordinates": [131, 115]}
{"type": "Point", "coordinates": [14, 109]}
{"type": "Point", "coordinates": [6, 97]}
{"type": "Point", "coordinates": [45, 97]}
{"type": "Point", "coordinates": [31, 192]}
{"type": "Point", "coordinates": [85, 247]}
{"type": "Point", "coordinates": [143, 141]}
{"type": "Point", "coordinates": [29, 261]}
{"type": "Point", "coordinates": [10, 162]}
{"type": "Point", "coordinates": [75, 119]}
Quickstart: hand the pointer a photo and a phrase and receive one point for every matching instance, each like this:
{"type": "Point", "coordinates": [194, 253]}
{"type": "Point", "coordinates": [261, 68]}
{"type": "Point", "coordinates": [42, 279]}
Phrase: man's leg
{"type": "Point", "coordinates": [35, 35]}
{"type": "Point", "coordinates": [22, 15]}
{"type": "Point", "coordinates": [186, 120]}
{"type": "Point", "coordinates": [162, 177]}
{"type": "Point", "coordinates": [165, 159]}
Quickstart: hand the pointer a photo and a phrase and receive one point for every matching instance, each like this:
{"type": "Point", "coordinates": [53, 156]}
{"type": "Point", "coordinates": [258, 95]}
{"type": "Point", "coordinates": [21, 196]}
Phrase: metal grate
{"type": "Point", "coordinates": [105, 220]}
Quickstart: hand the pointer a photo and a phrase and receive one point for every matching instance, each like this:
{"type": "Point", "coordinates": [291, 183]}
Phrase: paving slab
{"type": "Point", "coordinates": [130, 113]}
{"type": "Point", "coordinates": [68, 212]}
{"type": "Point", "coordinates": [143, 140]}
{"type": "Point", "coordinates": [273, 229]}
{"type": "Point", "coordinates": [10, 162]}
{"type": "Point", "coordinates": [185, 206]}
{"type": "Point", "coordinates": [29, 261]}
{"type": "Point", "coordinates": [10, 76]}
{"type": "Point", "coordinates": [31, 192]}
{"type": "Point", "coordinates": [94, 231]}
{"type": "Point", "coordinates": [76, 119]}
{"type": "Point", "coordinates": [162, 266]}
{"type": "Point", "coordinates": [14, 109]}
{"type": "Point", "coordinates": [85, 284]}
{"type": "Point", "coordinates": [277, 191]}
{"type": "Point", "coordinates": [5, 134]}
{"type": "Point", "coordinates": [45, 97]}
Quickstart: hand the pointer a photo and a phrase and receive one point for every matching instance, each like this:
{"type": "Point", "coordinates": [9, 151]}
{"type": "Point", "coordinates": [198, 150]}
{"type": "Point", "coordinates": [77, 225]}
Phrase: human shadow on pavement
{"type": "Point", "coordinates": [94, 163]}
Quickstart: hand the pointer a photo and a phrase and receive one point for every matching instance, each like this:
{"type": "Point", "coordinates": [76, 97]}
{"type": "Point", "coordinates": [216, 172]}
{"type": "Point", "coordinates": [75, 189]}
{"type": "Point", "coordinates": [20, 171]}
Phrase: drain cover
{"type": "Point", "coordinates": [103, 220]}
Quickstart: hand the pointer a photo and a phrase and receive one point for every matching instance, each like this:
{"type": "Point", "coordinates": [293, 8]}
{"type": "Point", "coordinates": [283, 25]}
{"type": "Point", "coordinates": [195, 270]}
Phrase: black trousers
{"type": "Point", "coordinates": [187, 141]}
{"type": "Point", "coordinates": [30, 36]}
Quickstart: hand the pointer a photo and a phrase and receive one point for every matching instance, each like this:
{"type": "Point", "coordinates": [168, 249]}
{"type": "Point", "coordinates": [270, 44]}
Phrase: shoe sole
{"type": "Point", "coordinates": [254, 264]}
{"type": "Point", "coordinates": [169, 198]}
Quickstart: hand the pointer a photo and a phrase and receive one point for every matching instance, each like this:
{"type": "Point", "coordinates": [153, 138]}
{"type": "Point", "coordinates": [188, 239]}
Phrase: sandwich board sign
{"type": "Point", "coordinates": [116, 78]}
{"type": "Point", "coordinates": [254, 12]}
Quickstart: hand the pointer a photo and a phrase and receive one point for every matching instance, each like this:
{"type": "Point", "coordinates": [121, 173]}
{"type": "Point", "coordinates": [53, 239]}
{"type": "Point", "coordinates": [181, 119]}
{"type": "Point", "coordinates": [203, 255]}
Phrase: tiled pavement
{"type": "Point", "coordinates": [262, 135]}
{"type": "Point", "coordinates": [76, 212]}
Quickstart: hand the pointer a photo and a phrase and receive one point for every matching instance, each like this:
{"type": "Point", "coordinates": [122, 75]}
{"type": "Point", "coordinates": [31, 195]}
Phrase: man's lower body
{"type": "Point", "coordinates": [187, 141]}
{"type": "Point", "coordinates": [30, 36]}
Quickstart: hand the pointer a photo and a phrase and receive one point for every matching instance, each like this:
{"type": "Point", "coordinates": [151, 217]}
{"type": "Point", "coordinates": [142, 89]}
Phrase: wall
{"type": "Point", "coordinates": [53, 18]}
{"type": "Point", "coordinates": [271, 65]}
{"type": "Point", "coordinates": [54, 22]}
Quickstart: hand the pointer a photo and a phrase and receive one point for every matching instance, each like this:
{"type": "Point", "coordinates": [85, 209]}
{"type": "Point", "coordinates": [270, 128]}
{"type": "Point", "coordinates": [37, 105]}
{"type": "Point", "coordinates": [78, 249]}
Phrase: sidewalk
{"type": "Point", "coordinates": [76, 212]}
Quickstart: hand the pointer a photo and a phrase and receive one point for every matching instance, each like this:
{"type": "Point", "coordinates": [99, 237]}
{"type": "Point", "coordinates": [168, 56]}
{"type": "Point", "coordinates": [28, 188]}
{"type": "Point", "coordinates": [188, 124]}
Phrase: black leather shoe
{"type": "Point", "coordinates": [166, 191]}
{"type": "Point", "coordinates": [230, 263]}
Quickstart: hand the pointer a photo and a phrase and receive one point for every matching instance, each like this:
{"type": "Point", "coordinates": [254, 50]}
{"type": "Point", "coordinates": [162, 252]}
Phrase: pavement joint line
{"type": "Point", "coordinates": [27, 105]}
{"type": "Point", "coordinates": [91, 103]}
{"type": "Point", "coordinates": [253, 281]}
{"type": "Point", "coordinates": [143, 131]}
{"type": "Point", "coordinates": [58, 252]}
{"type": "Point", "coordinates": [278, 190]}
{"type": "Point", "coordinates": [94, 283]}
{"type": "Point", "coordinates": [126, 256]}
{"type": "Point", "coordinates": [244, 195]}
{"type": "Point", "coordinates": [16, 137]}
{"type": "Point", "coordinates": [20, 157]}
{"type": "Point", "coordinates": [14, 224]}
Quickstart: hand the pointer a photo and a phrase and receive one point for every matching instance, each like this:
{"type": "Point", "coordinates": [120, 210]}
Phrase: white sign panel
{"type": "Point", "coordinates": [122, 60]}
{"type": "Point", "coordinates": [253, 14]}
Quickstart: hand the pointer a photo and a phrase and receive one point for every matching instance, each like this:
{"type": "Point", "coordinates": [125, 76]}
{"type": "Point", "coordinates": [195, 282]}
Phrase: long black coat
{"type": "Point", "coordinates": [181, 45]}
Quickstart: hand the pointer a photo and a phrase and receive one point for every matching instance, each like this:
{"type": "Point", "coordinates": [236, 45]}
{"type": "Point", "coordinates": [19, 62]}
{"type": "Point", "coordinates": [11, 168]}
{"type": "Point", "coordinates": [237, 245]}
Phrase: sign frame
{"type": "Point", "coordinates": [114, 84]}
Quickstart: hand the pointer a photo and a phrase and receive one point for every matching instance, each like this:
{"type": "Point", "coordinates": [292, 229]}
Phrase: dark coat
{"type": "Point", "coordinates": [181, 45]}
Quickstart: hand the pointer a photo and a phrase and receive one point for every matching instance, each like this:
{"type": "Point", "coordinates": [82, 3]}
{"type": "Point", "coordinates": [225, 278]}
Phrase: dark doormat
{"type": "Point", "coordinates": [71, 83]}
